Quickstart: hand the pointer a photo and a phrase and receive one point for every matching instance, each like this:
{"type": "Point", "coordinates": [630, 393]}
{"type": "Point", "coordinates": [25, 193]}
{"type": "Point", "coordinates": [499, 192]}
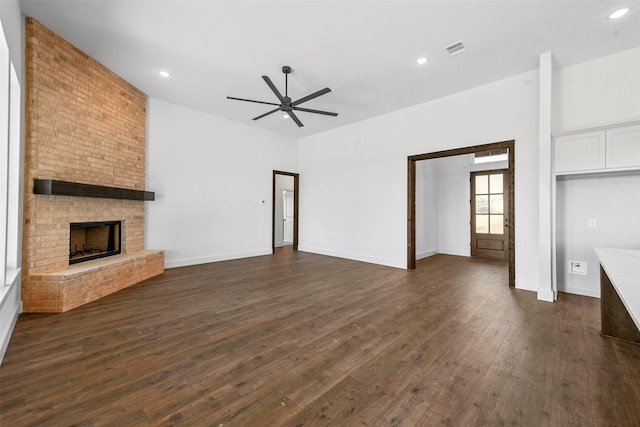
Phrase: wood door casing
{"type": "Point", "coordinates": [411, 197]}
{"type": "Point", "coordinates": [489, 201]}
{"type": "Point", "coordinates": [296, 207]}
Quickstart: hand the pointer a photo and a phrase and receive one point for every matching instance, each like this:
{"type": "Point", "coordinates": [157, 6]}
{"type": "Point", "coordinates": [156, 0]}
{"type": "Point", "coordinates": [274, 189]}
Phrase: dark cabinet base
{"type": "Point", "coordinates": [615, 319]}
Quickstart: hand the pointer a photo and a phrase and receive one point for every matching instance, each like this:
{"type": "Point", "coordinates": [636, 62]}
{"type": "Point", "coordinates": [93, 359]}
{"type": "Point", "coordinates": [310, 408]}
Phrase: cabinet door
{"type": "Point", "coordinates": [623, 147]}
{"type": "Point", "coordinates": [579, 152]}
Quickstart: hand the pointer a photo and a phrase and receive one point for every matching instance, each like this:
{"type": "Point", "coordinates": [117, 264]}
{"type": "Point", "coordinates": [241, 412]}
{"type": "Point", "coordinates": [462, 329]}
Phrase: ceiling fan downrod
{"type": "Point", "coordinates": [286, 70]}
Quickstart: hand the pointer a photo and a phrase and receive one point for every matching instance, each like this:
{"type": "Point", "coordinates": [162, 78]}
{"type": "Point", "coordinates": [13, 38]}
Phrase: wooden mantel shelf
{"type": "Point", "coordinates": [64, 188]}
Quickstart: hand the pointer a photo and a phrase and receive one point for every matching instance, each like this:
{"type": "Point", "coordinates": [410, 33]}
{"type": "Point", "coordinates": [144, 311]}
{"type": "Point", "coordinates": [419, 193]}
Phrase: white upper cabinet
{"type": "Point", "coordinates": [623, 147]}
{"type": "Point", "coordinates": [598, 150]}
{"type": "Point", "coordinates": [580, 152]}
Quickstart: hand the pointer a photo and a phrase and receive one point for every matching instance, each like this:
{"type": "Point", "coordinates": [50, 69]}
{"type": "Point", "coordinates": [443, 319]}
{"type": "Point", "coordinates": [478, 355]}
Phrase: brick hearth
{"type": "Point", "coordinates": [83, 124]}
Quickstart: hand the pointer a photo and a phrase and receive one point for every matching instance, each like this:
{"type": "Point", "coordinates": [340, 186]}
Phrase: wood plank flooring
{"type": "Point", "coordinates": [297, 339]}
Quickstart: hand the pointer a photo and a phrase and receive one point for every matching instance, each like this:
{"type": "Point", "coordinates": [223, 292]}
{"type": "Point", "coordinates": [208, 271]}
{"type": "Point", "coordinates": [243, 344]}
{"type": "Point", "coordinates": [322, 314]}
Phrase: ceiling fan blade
{"type": "Point", "coordinates": [273, 88]}
{"type": "Point", "coordinates": [310, 97]}
{"type": "Point", "coordinates": [295, 118]}
{"type": "Point", "coordinates": [251, 100]}
{"type": "Point", "coordinates": [266, 114]}
{"type": "Point", "coordinates": [307, 110]}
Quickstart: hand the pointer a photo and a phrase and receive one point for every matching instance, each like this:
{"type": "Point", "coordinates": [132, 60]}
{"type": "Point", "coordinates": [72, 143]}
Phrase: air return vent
{"type": "Point", "coordinates": [455, 48]}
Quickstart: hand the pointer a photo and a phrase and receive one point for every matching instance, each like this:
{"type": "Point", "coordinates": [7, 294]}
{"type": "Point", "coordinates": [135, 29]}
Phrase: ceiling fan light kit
{"type": "Point", "coordinates": [286, 105]}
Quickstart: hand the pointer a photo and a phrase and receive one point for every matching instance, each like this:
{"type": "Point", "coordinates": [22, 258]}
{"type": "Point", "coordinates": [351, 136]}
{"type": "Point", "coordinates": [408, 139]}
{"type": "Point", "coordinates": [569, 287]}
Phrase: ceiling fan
{"type": "Point", "coordinates": [286, 104]}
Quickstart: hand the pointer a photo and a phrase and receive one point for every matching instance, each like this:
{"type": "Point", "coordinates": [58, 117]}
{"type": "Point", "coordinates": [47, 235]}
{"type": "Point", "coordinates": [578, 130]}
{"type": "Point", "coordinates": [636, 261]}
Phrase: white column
{"type": "Point", "coordinates": [545, 288]}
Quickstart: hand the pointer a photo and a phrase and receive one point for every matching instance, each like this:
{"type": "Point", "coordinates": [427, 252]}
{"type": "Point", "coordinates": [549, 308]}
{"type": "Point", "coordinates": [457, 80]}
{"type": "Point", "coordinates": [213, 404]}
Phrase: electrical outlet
{"type": "Point", "coordinates": [578, 267]}
{"type": "Point", "coordinates": [592, 223]}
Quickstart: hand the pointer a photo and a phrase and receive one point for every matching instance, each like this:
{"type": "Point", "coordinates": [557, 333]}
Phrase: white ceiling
{"type": "Point", "coordinates": [365, 51]}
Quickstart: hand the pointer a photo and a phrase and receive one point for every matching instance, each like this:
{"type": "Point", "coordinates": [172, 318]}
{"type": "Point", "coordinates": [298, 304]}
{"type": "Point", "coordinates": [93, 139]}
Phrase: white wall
{"type": "Point", "coordinates": [605, 91]}
{"type": "Point", "coordinates": [613, 201]}
{"type": "Point", "coordinates": [10, 299]}
{"type": "Point", "coordinates": [427, 209]}
{"type": "Point", "coordinates": [455, 209]}
{"type": "Point", "coordinates": [12, 24]}
{"type": "Point", "coordinates": [283, 182]}
{"type": "Point", "coordinates": [443, 210]}
{"type": "Point", "coordinates": [213, 181]}
{"type": "Point", "coordinates": [601, 92]}
{"type": "Point", "coordinates": [453, 195]}
{"type": "Point", "coordinates": [362, 169]}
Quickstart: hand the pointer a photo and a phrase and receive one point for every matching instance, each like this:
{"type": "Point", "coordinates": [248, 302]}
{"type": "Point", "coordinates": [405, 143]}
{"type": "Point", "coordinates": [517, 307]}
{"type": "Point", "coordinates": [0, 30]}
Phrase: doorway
{"type": "Point", "coordinates": [489, 218]}
{"type": "Point", "coordinates": [284, 214]}
{"type": "Point", "coordinates": [510, 206]}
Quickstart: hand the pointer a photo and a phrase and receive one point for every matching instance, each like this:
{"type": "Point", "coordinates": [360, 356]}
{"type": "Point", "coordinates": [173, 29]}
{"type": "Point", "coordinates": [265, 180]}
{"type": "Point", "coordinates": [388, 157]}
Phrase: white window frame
{"type": "Point", "coordinates": [10, 167]}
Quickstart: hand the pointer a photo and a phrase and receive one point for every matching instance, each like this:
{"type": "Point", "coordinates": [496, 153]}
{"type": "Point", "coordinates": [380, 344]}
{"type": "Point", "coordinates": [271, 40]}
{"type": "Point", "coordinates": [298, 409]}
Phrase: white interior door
{"type": "Point", "coordinates": [287, 197]}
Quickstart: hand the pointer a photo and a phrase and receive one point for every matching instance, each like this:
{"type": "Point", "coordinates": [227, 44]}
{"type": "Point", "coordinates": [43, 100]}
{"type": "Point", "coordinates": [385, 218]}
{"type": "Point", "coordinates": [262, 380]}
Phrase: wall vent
{"type": "Point", "coordinates": [455, 48]}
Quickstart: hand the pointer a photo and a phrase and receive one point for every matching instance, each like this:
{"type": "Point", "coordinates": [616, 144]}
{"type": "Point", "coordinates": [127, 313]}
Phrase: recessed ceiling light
{"type": "Point", "coordinates": [422, 60]}
{"type": "Point", "coordinates": [619, 13]}
{"type": "Point", "coordinates": [164, 73]}
{"type": "Point", "coordinates": [285, 116]}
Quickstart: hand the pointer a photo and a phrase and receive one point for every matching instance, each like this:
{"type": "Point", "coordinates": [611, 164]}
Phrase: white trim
{"type": "Point", "coordinates": [546, 291]}
{"type": "Point", "coordinates": [11, 275]}
{"type": "Point", "coordinates": [426, 254]}
{"type": "Point", "coordinates": [456, 252]}
{"type": "Point", "coordinates": [356, 257]}
{"type": "Point", "coordinates": [604, 127]}
{"type": "Point", "coordinates": [546, 295]}
{"type": "Point", "coordinates": [214, 258]}
{"type": "Point", "coordinates": [5, 335]}
{"type": "Point", "coordinates": [579, 291]}
{"type": "Point", "coordinates": [527, 285]}
{"type": "Point", "coordinates": [605, 170]}
{"type": "Point", "coordinates": [9, 312]}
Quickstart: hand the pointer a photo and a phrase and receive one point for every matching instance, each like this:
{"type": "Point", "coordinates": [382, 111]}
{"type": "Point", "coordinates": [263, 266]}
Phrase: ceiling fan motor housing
{"type": "Point", "coordinates": [286, 104]}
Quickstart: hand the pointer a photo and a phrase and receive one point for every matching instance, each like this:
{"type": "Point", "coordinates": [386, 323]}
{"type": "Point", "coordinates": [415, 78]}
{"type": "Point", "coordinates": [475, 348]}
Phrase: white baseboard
{"type": "Point", "coordinates": [527, 285]}
{"type": "Point", "coordinates": [457, 252]}
{"type": "Point", "coordinates": [579, 291]}
{"type": "Point", "coordinates": [355, 257]}
{"type": "Point", "coordinates": [214, 258]}
{"type": "Point", "coordinates": [426, 254]}
{"type": "Point", "coordinates": [546, 295]}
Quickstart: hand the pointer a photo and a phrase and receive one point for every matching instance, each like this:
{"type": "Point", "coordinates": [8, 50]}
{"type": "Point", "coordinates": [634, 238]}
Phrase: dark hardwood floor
{"type": "Point", "coordinates": [297, 339]}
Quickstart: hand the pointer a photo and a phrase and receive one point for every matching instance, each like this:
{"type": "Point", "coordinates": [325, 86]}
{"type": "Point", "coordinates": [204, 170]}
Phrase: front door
{"type": "Point", "coordinates": [489, 214]}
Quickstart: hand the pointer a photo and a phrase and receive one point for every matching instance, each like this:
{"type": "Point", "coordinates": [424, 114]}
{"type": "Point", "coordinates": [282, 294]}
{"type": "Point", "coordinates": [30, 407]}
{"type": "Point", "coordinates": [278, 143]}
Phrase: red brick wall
{"type": "Point", "coordinates": [84, 124]}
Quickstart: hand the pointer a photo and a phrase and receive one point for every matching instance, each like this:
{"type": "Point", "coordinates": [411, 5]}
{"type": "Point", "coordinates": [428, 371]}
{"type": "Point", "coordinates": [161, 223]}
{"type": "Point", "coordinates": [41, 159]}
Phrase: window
{"type": "Point", "coordinates": [14, 169]}
{"type": "Point", "coordinates": [10, 161]}
{"type": "Point", "coordinates": [489, 203]}
{"type": "Point", "coordinates": [490, 156]}
{"type": "Point", "coordinates": [4, 150]}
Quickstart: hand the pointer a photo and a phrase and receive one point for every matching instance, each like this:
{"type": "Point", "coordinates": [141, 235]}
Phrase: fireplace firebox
{"type": "Point", "coordinates": [92, 240]}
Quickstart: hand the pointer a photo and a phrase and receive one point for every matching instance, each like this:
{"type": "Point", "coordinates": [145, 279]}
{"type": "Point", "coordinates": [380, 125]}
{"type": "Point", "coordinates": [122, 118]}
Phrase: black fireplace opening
{"type": "Point", "coordinates": [92, 240]}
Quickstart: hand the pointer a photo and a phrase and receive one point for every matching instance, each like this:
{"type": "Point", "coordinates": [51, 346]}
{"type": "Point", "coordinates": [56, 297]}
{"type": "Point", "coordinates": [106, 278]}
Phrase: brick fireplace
{"type": "Point", "coordinates": [83, 124]}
